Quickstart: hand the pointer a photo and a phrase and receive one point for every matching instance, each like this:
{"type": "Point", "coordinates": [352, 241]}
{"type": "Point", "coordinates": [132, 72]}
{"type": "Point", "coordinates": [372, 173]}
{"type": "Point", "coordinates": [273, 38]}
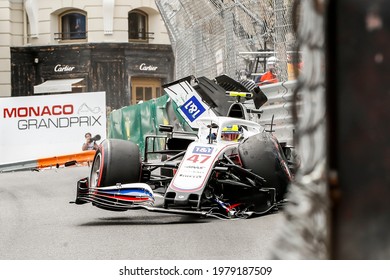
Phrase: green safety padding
{"type": "Point", "coordinates": [135, 122]}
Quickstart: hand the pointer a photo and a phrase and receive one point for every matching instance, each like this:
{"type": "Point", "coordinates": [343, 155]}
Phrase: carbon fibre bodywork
{"type": "Point", "coordinates": [212, 176]}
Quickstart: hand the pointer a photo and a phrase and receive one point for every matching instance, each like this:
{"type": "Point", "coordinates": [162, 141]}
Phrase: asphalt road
{"type": "Point", "coordinates": [38, 223]}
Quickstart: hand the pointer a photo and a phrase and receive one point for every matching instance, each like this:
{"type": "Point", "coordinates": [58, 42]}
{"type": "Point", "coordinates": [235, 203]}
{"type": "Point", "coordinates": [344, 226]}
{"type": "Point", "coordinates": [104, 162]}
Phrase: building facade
{"type": "Point", "coordinates": [51, 46]}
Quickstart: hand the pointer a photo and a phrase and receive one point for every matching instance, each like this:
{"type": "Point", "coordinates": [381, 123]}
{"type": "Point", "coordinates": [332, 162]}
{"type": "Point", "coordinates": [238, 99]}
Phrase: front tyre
{"type": "Point", "coordinates": [116, 161]}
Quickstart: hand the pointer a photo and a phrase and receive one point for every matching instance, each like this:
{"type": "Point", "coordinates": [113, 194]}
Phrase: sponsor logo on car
{"type": "Point", "coordinates": [202, 150]}
{"type": "Point", "coordinates": [192, 108]}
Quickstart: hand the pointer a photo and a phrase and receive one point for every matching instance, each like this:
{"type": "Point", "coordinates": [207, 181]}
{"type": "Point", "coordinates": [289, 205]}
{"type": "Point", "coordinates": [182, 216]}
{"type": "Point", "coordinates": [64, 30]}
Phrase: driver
{"type": "Point", "coordinates": [231, 133]}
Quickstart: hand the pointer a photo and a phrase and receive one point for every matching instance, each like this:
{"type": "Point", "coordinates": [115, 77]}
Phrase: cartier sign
{"type": "Point", "coordinates": [63, 68]}
{"type": "Point", "coordinates": [144, 67]}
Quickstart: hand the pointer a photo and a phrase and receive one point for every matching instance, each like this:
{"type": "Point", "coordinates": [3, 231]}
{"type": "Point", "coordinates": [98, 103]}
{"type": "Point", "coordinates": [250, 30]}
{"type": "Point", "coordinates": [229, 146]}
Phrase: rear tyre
{"type": "Point", "coordinates": [116, 161]}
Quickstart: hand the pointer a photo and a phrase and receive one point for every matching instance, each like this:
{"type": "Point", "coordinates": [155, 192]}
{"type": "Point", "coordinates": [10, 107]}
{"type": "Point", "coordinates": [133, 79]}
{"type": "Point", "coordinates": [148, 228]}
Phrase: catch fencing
{"type": "Point", "coordinates": [211, 37]}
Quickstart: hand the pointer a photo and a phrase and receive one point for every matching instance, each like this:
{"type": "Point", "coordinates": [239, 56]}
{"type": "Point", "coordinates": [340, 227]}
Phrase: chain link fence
{"type": "Point", "coordinates": [235, 38]}
{"type": "Point", "coordinates": [213, 37]}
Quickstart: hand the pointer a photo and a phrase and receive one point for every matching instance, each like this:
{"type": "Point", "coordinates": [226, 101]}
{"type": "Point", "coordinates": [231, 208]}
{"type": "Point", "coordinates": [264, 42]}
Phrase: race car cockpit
{"type": "Point", "coordinates": [232, 133]}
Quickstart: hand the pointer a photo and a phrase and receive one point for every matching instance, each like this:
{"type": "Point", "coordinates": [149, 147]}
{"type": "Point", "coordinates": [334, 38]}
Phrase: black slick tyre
{"type": "Point", "coordinates": [116, 161]}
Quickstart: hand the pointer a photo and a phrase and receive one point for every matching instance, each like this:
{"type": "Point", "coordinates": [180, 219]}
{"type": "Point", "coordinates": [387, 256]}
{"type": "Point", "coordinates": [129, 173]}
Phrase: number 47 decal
{"type": "Point", "coordinates": [196, 158]}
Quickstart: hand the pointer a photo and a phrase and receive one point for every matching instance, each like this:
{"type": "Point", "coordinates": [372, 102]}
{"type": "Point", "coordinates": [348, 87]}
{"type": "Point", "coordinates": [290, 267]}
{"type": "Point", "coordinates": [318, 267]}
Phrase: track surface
{"type": "Point", "coordinates": [38, 223]}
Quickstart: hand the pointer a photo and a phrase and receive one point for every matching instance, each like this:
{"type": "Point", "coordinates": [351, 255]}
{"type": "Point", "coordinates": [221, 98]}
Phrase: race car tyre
{"type": "Point", "coordinates": [116, 161]}
{"type": "Point", "coordinates": [262, 154]}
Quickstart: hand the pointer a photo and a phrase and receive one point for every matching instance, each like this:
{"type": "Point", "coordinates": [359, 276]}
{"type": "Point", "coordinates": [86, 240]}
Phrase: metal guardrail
{"type": "Point", "coordinates": [277, 112]}
{"type": "Point", "coordinates": [55, 162]}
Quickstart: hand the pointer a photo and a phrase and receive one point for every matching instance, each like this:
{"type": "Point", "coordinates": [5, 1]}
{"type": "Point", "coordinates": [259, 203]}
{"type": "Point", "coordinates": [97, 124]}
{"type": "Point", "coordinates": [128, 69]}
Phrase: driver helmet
{"type": "Point", "coordinates": [231, 133]}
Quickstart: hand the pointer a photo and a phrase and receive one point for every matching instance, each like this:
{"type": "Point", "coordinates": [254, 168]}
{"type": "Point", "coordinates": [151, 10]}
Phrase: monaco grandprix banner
{"type": "Point", "coordinates": [33, 127]}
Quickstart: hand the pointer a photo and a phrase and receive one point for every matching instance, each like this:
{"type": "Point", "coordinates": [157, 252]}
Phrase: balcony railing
{"type": "Point", "coordinates": [65, 36]}
{"type": "Point", "coordinates": [78, 35]}
{"type": "Point", "coordinates": [140, 35]}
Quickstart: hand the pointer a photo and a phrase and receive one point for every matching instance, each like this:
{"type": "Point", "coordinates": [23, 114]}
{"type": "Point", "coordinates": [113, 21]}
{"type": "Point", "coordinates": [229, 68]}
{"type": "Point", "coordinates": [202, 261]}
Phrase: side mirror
{"type": "Point", "coordinates": [212, 125]}
{"type": "Point", "coordinates": [259, 98]}
{"type": "Point", "coordinates": [165, 128]}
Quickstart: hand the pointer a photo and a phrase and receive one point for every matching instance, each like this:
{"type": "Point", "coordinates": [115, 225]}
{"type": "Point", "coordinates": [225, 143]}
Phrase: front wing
{"type": "Point", "coordinates": [138, 196]}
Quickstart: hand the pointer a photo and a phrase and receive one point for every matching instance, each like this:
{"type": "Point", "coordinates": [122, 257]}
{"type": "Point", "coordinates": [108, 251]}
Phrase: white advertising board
{"type": "Point", "coordinates": [33, 127]}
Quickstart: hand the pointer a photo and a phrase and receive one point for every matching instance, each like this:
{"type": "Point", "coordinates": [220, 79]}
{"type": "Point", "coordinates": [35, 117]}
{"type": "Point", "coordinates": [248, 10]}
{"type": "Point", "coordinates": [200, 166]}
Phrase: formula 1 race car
{"type": "Point", "coordinates": [232, 168]}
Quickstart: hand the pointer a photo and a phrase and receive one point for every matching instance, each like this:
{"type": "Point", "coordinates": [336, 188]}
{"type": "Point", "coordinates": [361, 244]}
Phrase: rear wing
{"type": "Point", "coordinates": [202, 97]}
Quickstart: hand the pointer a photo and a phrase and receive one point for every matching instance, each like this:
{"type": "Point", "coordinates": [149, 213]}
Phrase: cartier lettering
{"type": "Point", "coordinates": [63, 68]}
{"type": "Point", "coordinates": [145, 67]}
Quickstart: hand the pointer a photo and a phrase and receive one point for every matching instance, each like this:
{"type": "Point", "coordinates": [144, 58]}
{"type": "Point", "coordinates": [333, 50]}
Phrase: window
{"type": "Point", "coordinates": [138, 26]}
{"type": "Point", "coordinates": [73, 26]}
{"type": "Point", "coordinates": [144, 89]}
